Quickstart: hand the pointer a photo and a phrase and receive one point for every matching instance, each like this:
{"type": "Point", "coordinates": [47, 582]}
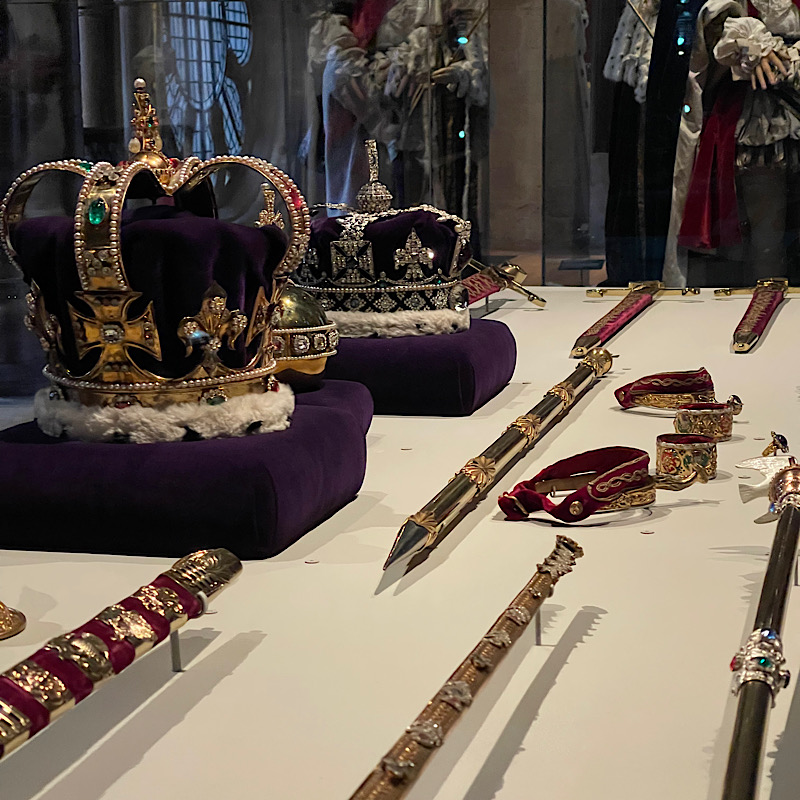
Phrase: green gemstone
{"type": "Point", "coordinates": [216, 400]}
{"type": "Point", "coordinates": [764, 662]}
{"type": "Point", "coordinates": [97, 211]}
{"type": "Point", "coordinates": [87, 165]}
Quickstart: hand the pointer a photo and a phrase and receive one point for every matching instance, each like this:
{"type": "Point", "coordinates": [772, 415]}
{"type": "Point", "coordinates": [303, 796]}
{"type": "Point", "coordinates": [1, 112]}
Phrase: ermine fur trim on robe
{"type": "Point", "coordinates": [365, 324]}
{"type": "Point", "coordinates": [235, 417]}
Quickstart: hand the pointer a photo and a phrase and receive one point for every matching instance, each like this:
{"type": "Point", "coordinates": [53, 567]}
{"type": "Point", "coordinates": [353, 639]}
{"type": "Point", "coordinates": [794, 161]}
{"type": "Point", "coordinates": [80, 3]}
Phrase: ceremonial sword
{"type": "Point", "coordinates": [401, 766]}
{"type": "Point", "coordinates": [758, 667]}
{"type": "Point", "coordinates": [768, 294]}
{"type": "Point", "coordinates": [481, 280]}
{"type": "Point", "coordinates": [637, 297]}
{"type": "Point", "coordinates": [471, 483]}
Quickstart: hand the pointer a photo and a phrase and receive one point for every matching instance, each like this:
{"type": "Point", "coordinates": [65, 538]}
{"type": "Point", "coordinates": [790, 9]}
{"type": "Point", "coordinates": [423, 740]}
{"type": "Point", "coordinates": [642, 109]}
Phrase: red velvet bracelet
{"type": "Point", "coordinates": [607, 479]}
{"type": "Point", "coordinates": [668, 389]}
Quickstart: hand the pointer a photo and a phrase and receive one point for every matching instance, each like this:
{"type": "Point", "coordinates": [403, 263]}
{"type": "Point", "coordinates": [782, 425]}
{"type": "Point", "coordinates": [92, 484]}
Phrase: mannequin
{"type": "Point", "coordinates": [371, 63]}
{"type": "Point", "coordinates": [752, 141]}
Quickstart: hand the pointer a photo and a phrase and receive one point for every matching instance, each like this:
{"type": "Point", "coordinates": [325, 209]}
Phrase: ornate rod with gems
{"type": "Point", "coordinates": [70, 667]}
{"type": "Point", "coordinates": [401, 766]}
{"type": "Point", "coordinates": [637, 297]}
{"type": "Point", "coordinates": [758, 667]}
{"type": "Point", "coordinates": [480, 474]}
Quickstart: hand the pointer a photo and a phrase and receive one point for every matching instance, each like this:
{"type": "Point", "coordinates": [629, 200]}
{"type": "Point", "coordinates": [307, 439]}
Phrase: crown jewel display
{"type": "Point", "coordinates": [388, 264]}
{"type": "Point", "coordinates": [110, 343]}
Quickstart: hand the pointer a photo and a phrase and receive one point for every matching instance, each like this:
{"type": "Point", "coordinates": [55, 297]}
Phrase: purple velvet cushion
{"type": "Point", "coordinates": [254, 495]}
{"type": "Point", "coordinates": [445, 375]}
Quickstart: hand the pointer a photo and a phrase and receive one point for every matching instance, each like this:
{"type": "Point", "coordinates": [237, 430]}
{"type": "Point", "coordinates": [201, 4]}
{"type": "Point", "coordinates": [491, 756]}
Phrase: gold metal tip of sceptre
{"type": "Point", "coordinates": [12, 621]}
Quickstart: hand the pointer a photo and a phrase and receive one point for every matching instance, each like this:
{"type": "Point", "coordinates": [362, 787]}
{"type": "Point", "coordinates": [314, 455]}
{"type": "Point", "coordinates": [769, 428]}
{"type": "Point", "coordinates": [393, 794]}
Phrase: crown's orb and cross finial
{"type": "Point", "coordinates": [146, 144]}
{"type": "Point", "coordinates": [268, 215]}
{"type": "Point", "coordinates": [373, 197]}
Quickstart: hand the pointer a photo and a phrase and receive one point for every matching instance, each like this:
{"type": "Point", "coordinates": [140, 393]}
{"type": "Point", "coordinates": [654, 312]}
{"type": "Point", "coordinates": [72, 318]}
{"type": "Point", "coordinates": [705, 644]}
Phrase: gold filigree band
{"type": "Point", "coordinates": [43, 686]}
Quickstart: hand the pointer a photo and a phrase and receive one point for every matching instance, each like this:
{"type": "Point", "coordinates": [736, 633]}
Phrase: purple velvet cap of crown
{"type": "Point", "coordinates": [172, 257]}
{"type": "Point", "coordinates": [385, 234]}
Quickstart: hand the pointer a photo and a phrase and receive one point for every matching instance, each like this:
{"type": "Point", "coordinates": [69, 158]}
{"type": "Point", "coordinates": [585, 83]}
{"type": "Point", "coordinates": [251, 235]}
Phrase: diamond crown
{"type": "Point", "coordinates": [116, 329]}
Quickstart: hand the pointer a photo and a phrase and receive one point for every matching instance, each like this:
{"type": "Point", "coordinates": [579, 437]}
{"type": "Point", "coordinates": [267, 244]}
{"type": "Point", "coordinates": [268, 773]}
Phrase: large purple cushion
{"type": "Point", "coordinates": [445, 375]}
{"type": "Point", "coordinates": [254, 495]}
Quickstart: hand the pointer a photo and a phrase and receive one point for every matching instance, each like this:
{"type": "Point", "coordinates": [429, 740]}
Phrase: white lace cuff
{"type": "Point", "coordinates": [745, 41]}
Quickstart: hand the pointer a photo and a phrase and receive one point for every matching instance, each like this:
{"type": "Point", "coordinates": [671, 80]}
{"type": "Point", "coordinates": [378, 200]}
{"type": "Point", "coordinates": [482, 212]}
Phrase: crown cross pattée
{"type": "Point", "coordinates": [113, 331]}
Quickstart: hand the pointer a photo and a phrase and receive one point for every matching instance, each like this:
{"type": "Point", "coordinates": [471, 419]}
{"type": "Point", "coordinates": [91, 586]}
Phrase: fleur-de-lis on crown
{"type": "Point", "coordinates": [211, 326]}
{"type": "Point", "coordinates": [268, 215]}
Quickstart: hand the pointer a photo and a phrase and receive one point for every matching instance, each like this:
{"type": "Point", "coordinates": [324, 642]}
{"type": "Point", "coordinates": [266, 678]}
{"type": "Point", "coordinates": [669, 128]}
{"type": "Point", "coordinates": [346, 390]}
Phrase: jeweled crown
{"type": "Point", "coordinates": [122, 323]}
{"type": "Point", "coordinates": [390, 264]}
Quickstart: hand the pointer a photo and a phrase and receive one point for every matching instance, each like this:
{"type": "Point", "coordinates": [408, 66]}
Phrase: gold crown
{"type": "Point", "coordinates": [116, 378]}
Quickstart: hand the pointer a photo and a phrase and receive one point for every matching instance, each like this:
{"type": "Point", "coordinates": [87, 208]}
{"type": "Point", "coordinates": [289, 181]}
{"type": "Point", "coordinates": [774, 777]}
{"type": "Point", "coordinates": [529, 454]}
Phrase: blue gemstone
{"type": "Point", "coordinates": [768, 633]}
{"type": "Point", "coordinates": [198, 337]}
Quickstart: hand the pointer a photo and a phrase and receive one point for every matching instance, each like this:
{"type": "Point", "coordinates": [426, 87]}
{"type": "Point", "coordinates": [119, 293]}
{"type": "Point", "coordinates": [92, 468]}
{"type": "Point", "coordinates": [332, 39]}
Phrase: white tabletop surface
{"type": "Point", "coordinates": [314, 662]}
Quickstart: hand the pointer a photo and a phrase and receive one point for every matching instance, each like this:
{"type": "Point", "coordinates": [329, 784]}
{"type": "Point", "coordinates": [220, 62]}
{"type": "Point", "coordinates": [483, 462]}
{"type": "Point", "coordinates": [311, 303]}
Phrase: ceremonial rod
{"type": "Point", "coordinates": [637, 297]}
{"type": "Point", "coordinates": [758, 667]}
{"type": "Point", "coordinates": [401, 766]}
{"type": "Point", "coordinates": [479, 475]}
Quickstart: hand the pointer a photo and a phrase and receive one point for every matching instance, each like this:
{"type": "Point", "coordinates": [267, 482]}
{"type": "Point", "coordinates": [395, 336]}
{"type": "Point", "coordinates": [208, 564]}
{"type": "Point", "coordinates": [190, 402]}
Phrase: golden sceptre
{"type": "Point", "coordinates": [425, 528]}
{"type": "Point", "coordinates": [401, 766]}
{"type": "Point", "coordinates": [12, 621]}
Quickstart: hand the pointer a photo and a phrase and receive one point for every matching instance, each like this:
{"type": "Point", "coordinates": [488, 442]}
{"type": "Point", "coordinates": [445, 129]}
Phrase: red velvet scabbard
{"type": "Point", "coordinates": [764, 303]}
{"type": "Point", "coordinates": [612, 323]}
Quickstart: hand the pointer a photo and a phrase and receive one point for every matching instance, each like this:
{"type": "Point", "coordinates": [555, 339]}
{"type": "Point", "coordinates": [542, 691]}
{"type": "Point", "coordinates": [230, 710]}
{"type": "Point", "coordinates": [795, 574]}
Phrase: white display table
{"type": "Point", "coordinates": [314, 662]}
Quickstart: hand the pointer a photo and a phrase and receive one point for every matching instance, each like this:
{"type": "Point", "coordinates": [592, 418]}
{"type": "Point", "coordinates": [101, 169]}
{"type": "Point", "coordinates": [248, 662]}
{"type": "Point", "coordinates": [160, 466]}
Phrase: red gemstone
{"type": "Point", "coordinates": [734, 663]}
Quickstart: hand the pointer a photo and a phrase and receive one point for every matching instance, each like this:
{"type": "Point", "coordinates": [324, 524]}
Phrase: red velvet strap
{"type": "Point", "coordinates": [711, 214]}
{"type": "Point", "coordinates": [766, 300]}
{"type": "Point", "coordinates": [26, 703]}
{"type": "Point", "coordinates": [619, 316]}
{"type": "Point", "coordinates": [691, 382]}
{"type": "Point", "coordinates": [614, 469]}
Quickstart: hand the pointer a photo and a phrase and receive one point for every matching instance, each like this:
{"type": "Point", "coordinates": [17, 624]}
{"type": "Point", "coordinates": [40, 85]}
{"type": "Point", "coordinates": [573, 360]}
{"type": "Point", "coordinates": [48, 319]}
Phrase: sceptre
{"type": "Point", "coordinates": [758, 668]}
{"type": "Point", "coordinates": [471, 483]}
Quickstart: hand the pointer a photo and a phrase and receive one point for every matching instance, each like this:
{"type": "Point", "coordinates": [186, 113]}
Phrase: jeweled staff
{"type": "Point", "coordinates": [70, 667]}
{"type": "Point", "coordinates": [768, 294]}
{"type": "Point", "coordinates": [479, 475]}
{"type": "Point", "coordinates": [758, 668]}
{"type": "Point", "coordinates": [637, 297]}
{"type": "Point", "coordinates": [401, 766]}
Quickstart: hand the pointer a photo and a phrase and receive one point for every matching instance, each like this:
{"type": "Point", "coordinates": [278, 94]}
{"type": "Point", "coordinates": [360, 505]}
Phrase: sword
{"type": "Point", "coordinates": [401, 766]}
{"type": "Point", "coordinates": [768, 294]}
{"type": "Point", "coordinates": [482, 280]}
{"type": "Point", "coordinates": [471, 483]}
{"type": "Point", "coordinates": [758, 667]}
{"type": "Point", "coordinates": [637, 297]}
